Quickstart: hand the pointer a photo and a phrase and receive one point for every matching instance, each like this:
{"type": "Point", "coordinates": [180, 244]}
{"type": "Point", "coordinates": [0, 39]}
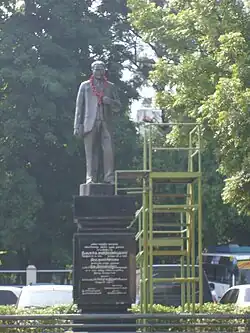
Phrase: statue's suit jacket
{"type": "Point", "coordinates": [87, 105]}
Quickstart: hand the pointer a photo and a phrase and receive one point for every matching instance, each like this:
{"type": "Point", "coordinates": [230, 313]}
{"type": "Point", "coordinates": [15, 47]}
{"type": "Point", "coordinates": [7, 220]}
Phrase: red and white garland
{"type": "Point", "coordinates": [98, 94]}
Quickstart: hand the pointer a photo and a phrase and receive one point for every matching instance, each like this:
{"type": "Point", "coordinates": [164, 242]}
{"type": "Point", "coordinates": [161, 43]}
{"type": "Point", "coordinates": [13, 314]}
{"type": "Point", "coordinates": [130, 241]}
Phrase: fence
{"type": "Point", "coordinates": [160, 322]}
{"type": "Point", "coordinates": [31, 274]}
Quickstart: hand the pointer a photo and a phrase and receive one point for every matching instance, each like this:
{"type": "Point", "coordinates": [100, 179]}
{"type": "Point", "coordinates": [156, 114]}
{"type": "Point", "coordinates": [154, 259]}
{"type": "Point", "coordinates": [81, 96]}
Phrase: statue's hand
{"type": "Point", "coordinates": [77, 132]}
{"type": "Point", "coordinates": [106, 100]}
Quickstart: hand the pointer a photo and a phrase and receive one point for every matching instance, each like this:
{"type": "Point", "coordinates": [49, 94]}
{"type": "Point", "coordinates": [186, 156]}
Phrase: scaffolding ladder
{"type": "Point", "coordinates": [165, 228]}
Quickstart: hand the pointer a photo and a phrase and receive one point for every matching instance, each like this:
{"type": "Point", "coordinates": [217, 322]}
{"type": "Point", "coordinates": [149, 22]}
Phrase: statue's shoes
{"type": "Point", "coordinates": [110, 182]}
{"type": "Point", "coordinates": [90, 182]}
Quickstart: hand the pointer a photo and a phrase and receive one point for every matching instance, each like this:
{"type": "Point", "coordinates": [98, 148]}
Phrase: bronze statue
{"type": "Point", "coordinates": [96, 100]}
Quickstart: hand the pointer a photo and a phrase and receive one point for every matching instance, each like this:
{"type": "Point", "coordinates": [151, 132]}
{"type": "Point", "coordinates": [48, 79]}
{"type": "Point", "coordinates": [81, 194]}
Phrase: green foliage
{"type": "Point", "coordinates": [54, 310]}
{"type": "Point", "coordinates": [179, 325]}
{"type": "Point", "coordinates": [205, 308]}
{"type": "Point", "coordinates": [203, 325]}
{"type": "Point", "coordinates": [221, 222]}
{"type": "Point", "coordinates": [202, 75]}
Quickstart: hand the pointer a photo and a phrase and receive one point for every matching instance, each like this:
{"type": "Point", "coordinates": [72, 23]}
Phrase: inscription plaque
{"type": "Point", "coordinates": [104, 269]}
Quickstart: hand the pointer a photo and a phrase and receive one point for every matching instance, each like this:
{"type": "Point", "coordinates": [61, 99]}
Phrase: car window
{"type": "Point", "coordinates": [217, 273]}
{"type": "Point", "coordinates": [225, 298]}
{"type": "Point", "coordinates": [247, 295]}
{"type": "Point", "coordinates": [234, 296]}
{"type": "Point", "coordinates": [7, 297]}
{"type": "Point", "coordinates": [230, 297]}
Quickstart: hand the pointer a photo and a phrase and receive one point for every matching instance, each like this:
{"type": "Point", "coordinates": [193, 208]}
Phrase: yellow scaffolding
{"type": "Point", "coordinates": [178, 238]}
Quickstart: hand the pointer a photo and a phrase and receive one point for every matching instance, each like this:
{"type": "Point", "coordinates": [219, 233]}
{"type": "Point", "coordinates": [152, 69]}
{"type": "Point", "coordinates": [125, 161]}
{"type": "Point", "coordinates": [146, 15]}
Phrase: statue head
{"type": "Point", "coordinates": [98, 69]}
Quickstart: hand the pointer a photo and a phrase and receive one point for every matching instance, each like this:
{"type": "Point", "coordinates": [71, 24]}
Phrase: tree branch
{"type": "Point", "coordinates": [149, 44]}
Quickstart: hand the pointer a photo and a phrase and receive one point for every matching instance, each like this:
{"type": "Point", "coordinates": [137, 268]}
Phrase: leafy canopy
{"type": "Point", "coordinates": [203, 75]}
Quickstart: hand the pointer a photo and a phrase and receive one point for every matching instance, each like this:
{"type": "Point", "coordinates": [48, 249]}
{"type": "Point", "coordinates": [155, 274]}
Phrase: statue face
{"type": "Point", "coordinates": [98, 72]}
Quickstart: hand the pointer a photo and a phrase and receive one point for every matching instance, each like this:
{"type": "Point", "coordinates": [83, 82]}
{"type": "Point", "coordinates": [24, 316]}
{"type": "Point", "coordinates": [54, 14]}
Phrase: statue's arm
{"type": "Point", "coordinates": [79, 109]}
{"type": "Point", "coordinates": [115, 97]}
{"type": "Point", "coordinates": [114, 101]}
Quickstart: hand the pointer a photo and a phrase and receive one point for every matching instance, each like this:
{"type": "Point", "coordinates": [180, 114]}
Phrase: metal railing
{"type": "Point", "coordinates": [31, 275]}
{"type": "Point", "coordinates": [156, 322]}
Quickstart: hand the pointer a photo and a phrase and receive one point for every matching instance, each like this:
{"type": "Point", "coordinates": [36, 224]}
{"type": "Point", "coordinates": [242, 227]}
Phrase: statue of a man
{"type": "Point", "coordinates": [96, 100]}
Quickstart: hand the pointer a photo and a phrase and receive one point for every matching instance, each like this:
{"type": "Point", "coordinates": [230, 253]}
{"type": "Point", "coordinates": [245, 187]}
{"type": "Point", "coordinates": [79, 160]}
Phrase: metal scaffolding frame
{"type": "Point", "coordinates": [178, 238]}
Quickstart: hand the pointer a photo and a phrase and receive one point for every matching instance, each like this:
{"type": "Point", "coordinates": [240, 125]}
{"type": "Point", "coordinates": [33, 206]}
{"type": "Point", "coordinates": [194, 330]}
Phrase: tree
{"type": "Point", "coordinates": [46, 50]}
{"type": "Point", "coordinates": [202, 75]}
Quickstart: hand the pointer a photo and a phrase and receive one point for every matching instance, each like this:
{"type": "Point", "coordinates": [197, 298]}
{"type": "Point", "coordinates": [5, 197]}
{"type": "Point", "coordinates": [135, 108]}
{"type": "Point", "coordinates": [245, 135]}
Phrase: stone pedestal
{"type": "Point", "coordinates": [104, 274]}
{"type": "Point", "coordinates": [97, 189]}
{"type": "Point", "coordinates": [104, 213]}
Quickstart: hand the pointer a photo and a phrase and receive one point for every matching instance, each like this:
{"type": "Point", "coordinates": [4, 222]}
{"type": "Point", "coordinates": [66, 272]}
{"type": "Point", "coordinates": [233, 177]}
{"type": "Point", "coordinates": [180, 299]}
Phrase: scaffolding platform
{"type": "Point", "coordinates": [169, 221]}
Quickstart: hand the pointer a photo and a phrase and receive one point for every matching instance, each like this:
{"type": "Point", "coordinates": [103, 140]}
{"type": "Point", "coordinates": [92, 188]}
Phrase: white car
{"type": "Point", "coordinates": [45, 295]}
{"type": "Point", "coordinates": [9, 295]}
{"type": "Point", "coordinates": [238, 295]}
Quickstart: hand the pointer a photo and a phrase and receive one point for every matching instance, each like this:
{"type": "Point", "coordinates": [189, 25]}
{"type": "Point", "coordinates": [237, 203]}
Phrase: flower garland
{"type": "Point", "coordinates": [98, 94]}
